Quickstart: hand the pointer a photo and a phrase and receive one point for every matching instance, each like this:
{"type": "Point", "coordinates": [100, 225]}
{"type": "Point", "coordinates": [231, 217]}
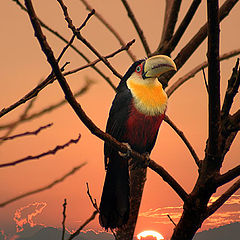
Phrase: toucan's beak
{"type": "Point", "coordinates": [157, 65]}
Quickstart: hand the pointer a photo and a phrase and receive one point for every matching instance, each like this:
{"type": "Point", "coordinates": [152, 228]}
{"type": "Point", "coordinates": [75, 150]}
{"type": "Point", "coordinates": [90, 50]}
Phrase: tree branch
{"type": "Point", "coordinates": [74, 170]}
{"type": "Point", "coordinates": [172, 43]}
{"type": "Point", "coordinates": [213, 79]}
{"type": "Point", "coordinates": [76, 106]}
{"type": "Point", "coordinates": [64, 217]}
{"type": "Point", "coordinates": [197, 69]}
{"type": "Point", "coordinates": [182, 136]}
{"type": "Point", "coordinates": [84, 41]}
{"type": "Point", "coordinates": [110, 28]}
{"type": "Point", "coordinates": [27, 133]}
{"type": "Point", "coordinates": [53, 151]}
{"type": "Point", "coordinates": [222, 199]}
{"type": "Point", "coordinates": [66, 41]}
{"type": "Point", "coordinates": [232, 90]}
{"type": "Point", "coordinates": [137, 27]}
{"type": "Point", "coordinates": [84, 225]}
{"type": "Point", "coordinates": [228, 176]}
{"type": "Point", "coordinates": [196, 41]}
{"type": "Point", "coordinates": [170, 19]}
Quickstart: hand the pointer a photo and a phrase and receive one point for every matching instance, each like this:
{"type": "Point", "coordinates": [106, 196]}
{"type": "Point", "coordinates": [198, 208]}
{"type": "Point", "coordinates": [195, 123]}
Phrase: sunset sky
{"type": "Point", "coordinates": [23, 66]}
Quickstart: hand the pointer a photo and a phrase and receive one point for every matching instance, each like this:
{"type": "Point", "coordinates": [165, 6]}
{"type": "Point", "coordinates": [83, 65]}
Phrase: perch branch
{"type": "Point", "coordinates": [27, 133]}
{"type": "Point", "coordinates": [110, 28]}
{"type": "Point", "coordinates": [53, 151]}
{"type": "Point", "coordinates": [74, 170]}
{"type": "Point", "coordinates": [79, 111]}
{"type": "Point", "coordinates": [137, 27]}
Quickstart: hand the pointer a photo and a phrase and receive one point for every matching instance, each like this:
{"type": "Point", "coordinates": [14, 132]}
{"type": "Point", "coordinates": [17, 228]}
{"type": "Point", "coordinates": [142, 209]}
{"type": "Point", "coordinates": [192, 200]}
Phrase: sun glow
{"type": "Point", "coordinates": [155, 234]}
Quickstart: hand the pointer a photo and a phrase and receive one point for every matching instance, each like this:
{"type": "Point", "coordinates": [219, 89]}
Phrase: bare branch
{"type": "Point", "coordinates": [222, 199]}
{"type": "Point", "coordinates": [170, 20]}
{"type": "Point", "coordinates": [137, 27]}
{"type": "Point", "coordinates": [94, 203]}
{"type": "Point", "coordinates": [205, 80]}
{"type": "Point", "coordinates": [183, 137]}
{"type": "Point", "coordinates": [213, 79]}
{"type": "Point", "coordinates": [232, 90]}
{"type": "Point", "coordinates": [196, 41]}
{"type": "Point", "coordinates": [66, 41]}
{"type": "Point", "coordinates": [84, 41]}
{"type": "Point", "coordinates": [74, 170]}
{"type": "Point", "coordinates": [172, 43]}
{"type": "Point", "coordinates": [197, 69]}
{"type": "Point", "coordinates": [64, 217]}
{"type": "Point", "coordinates": [82, 115]}
{"type": "Point", "coordinates": [110, 28]}
{"type": "Point", "coordinates": [27, 133]}
{"type": "Point", "coordinates": [51, 78]}
{"type": "Point", "coordinates": [171, 220]}
{"type": "Point", "coordinates": [84, 225]}
{"type": "Point", "coordinates": [53, 151]}
{"type": "Point", "coordinates": [169, 179]}
{"type": "Point", "coordinates": [228, 176]}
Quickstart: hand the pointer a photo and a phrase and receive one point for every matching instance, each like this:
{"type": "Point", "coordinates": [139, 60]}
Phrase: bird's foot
{"type": "Point", "coordinates": [137, 164]}
{"type": "Point", "coordinates": [128, 153]}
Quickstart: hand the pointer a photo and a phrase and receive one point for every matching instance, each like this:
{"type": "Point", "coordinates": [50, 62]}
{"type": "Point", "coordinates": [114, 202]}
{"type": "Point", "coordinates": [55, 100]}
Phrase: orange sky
{"type": "Point", "coordinates": [23, 65]}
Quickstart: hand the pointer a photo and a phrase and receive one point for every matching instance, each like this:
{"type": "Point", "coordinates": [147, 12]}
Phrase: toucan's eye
{"type": "Point", "coordinates": [138, 69]}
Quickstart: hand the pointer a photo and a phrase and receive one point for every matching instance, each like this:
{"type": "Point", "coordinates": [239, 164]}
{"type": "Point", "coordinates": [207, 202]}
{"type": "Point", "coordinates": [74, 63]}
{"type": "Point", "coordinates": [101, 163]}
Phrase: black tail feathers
{"type": "Point", "coordinates": [114, 206]}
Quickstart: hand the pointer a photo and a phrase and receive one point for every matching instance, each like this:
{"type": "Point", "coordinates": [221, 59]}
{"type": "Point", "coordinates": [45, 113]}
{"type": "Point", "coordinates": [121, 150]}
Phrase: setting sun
{"type": "Point", "coordinates": [155, 234]}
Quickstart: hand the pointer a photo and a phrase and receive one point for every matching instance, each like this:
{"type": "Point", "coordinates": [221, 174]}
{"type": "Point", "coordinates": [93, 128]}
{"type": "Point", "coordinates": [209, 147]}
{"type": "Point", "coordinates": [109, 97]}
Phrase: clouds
{"type": "Point", "coordinates": [228, 213]}
{"type": "Point", "coordinates": [25, 215]}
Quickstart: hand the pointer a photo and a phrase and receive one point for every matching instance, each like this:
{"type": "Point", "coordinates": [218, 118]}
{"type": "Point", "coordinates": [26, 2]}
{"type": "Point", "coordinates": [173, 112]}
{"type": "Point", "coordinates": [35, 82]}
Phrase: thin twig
{"type": "Point", "coordinates": [66, 41]}
{"type": "Point", "coordinates": [185, 140]}
{"type": "Point", "coordinates": [197, 69]}
{"type": "Point", "coordinates": [82, 115]}
{"type": "Point", "coordinates": [110, 28]}
{"type": "Point", "coordinates": [205, 80]}
{"type": "Point", "coordinates": [50, 79]}
{"type": "Point", "coordinates": [75, 169]}
{"type": "Point", "coordinates": [51, 107]}
{"type": "Point", "coordinates": [137, 27]}
{"type": "Point", "coordinates": [53, 151]}
{"type": "Point", "coordinates": [171, 220]}
{"type": "Point", "coordinates": [64, 217]}
{"type": "Point", "coordinates": [83, 225]}
{"type": "Point", "coordinates": [94, 203]}
{"type": "Point", "coordinates": [27, 133]}
{"type": "Point", "coordinates": [84, 40]}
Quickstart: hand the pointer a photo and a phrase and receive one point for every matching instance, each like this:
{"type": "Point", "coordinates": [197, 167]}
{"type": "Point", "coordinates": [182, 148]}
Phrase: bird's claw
{"type": "Point", "coordinates": [128, 153]}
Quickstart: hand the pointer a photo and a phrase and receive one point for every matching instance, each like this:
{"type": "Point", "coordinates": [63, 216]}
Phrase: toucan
{"type": "Point", "coordinates": [134, 119]}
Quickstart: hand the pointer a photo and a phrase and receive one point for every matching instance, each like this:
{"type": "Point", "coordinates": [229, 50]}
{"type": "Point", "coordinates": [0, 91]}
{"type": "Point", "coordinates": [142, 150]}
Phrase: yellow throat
{"type": "Point", "coordinates": [149, 96]}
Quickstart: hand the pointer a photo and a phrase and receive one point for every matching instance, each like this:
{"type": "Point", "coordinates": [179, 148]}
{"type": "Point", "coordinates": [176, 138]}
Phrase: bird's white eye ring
{"type": "Point", "coordinates": [138, 69]}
